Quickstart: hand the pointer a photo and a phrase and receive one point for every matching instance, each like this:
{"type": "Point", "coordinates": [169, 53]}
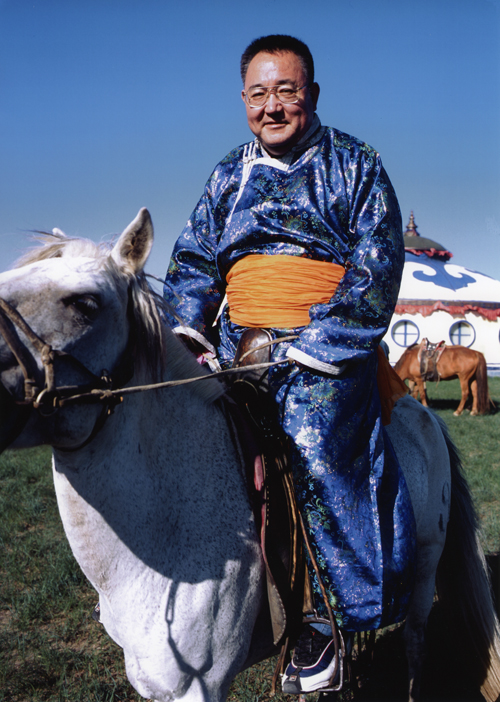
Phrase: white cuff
{"type": "Point", "coordinates": [306, 360]}
{"type": "Point", "coordinates": [187, 331]}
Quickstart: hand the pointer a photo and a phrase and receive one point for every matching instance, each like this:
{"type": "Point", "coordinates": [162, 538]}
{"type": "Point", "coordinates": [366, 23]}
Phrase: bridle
{"type": "Point", "coordinates": [50, 397]}
{"type": "Point", "coordinates": [106, 389]}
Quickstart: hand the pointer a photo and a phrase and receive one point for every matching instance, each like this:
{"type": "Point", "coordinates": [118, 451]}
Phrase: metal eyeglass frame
{"type": "Point", "coordinates": [274, 89]}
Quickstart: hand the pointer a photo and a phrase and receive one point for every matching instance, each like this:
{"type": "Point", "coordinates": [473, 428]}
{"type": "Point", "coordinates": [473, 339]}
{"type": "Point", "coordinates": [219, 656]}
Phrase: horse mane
{"type": "Point", "coordinates": [56, 244]}
{"type": "Point", "coordinates": [154, 346]}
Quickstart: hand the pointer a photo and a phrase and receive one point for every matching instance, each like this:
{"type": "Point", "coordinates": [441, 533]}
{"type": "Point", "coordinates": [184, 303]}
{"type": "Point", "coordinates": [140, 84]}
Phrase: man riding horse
{"type": "Point", "coordinates": [299, 232]}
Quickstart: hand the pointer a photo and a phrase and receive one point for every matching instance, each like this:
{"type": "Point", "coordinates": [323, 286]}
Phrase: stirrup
{"type": "Point", "coordinates": [340, 653]}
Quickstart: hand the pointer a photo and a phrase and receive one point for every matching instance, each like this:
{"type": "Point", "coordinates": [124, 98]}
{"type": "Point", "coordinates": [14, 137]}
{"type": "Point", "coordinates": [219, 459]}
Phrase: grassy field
{"type": "Point", "coordinates": [50, 649]}
{"type": "Point", "coordinates": [478, 439]}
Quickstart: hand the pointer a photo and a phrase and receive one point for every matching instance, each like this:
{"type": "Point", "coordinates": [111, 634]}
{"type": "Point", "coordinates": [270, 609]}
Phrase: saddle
{"type": "Point", "coordinates": [271, 486]}
{"type": "Point", "coordinates": [428, 356]}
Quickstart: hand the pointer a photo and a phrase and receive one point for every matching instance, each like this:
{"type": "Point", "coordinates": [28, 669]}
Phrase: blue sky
{"type": "Point", "coordinates": [110, 105]}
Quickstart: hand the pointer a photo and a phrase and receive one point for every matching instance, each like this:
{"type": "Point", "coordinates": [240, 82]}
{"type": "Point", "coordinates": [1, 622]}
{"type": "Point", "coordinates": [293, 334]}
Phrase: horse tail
{"type": "Point", "coordinates": [483, 396]}
{"type": "Point", "coordinates": [463, 584]}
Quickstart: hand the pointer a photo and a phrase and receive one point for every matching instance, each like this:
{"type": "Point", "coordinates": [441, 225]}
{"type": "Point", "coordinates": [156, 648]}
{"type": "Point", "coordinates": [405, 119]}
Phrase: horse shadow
{"type": "Point", "coordinates": [446, 404]}
{"type": "Point", "coordinates": [445, 677]}
{"type": "Point", "coordinates": [445, 674]}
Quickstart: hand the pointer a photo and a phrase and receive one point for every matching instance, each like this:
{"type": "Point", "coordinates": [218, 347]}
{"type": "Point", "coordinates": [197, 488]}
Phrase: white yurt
{"type": "Point", "coordinates": [443, 301]}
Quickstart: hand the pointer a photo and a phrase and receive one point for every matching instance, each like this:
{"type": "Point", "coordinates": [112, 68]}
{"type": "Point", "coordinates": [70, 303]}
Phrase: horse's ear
{"type": "Point", "coordinates": [132, 249]}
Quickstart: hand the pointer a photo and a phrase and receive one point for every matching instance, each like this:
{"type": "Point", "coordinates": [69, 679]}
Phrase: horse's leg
{"type": "Point", "coordinates": [421, 448]}
{"type": "Point", "coordinates": [412, 386]}
{"type": "Point", "coordinates": [420, 607]}
{"type": "Point", "coordinates": [464, 386]}
{"type": "Point", "coordinates": [473, 387]}
{"type": "Point", "coordinates": [421, 389]}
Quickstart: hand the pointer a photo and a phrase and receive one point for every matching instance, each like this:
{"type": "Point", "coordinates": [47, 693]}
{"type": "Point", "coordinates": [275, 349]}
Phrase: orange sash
{"type": "Point", "coordinates": [277, 291]}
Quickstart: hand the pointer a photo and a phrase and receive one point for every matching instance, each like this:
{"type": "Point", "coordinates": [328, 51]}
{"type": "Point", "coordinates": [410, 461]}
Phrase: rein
{"type": "Point", "coordinates": [99, 389]}
{"type": "Point", "coordinates": [98, 394]}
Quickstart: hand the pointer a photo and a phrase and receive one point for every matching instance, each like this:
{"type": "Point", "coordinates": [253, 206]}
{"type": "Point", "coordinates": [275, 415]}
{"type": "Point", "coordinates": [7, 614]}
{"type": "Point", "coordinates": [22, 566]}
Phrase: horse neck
{"type": "Point", "coordinates": [162, 458]}
{"type": "Point", "coordinates": [164, 478]}
{"type": "Point", "coordinates": [191, 405]}
{"type": "Point", "coordinates": [156, 410]}
{"type": "Point", "coordinates": [401, 366]}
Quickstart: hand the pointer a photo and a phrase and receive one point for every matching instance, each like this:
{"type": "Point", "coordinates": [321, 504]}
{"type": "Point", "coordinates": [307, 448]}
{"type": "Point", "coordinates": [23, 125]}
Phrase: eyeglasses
{"type": "Point", "coordinates": [286, 94]}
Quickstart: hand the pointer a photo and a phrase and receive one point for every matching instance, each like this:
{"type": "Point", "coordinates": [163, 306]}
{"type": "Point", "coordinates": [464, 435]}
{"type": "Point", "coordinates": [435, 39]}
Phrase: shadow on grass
{"type": "Point", "coordinates": [446, 676]}
{"type": "Point", "coordinates": [438, 404]}
{"type": "Point", "coordinates": [444, 679]}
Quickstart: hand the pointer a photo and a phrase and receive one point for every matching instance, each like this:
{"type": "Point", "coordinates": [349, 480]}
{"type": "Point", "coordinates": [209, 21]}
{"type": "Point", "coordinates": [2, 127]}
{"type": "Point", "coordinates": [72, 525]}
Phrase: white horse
{"type": "Point", "coordinates": [153, 498]}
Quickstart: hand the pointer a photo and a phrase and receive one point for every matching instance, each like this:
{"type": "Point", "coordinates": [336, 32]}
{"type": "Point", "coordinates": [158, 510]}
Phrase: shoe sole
{"type": "Point", "coordinates": [295, 684]}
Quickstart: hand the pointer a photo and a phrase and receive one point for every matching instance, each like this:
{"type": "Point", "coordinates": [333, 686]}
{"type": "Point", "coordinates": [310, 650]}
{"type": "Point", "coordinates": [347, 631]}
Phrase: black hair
{"type": "Point", "coordinates": [275, 44]}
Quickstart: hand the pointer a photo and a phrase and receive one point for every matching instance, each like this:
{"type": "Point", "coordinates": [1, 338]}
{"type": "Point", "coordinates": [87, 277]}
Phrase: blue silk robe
{"type": "Point", "coordinates": [328, 200]}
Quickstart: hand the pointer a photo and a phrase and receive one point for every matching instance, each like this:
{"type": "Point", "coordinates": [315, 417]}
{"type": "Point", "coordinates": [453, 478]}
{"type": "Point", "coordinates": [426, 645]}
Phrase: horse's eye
{"type": "Point", "coordinates": [86, 304]}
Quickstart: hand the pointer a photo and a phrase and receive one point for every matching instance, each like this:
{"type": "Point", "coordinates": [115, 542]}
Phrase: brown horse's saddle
{"type": "Point", "coordinates": [428, 357]}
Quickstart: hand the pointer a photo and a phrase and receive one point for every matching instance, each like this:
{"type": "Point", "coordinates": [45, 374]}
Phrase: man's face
{"type": "Point", "coordinates": [278, 126]}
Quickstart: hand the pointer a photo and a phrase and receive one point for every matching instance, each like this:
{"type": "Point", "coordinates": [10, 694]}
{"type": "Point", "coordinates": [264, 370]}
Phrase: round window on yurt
{"type": "Point", "coordinates": [462, 334]}
{"type": "Point", "coordinates": [405, 333]}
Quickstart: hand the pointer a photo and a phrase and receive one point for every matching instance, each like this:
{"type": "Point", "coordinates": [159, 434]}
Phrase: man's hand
{"type": "Point", "coordinates": [201, 353]}
{"type": "Point", "coordinates": [193, 345]}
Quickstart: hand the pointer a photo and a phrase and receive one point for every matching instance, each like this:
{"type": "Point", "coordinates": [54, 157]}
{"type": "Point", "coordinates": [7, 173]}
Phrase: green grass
{"type": "Point", "coordinates": [51, 650]}
{"type": "Point", "coordinates": [478, 441]}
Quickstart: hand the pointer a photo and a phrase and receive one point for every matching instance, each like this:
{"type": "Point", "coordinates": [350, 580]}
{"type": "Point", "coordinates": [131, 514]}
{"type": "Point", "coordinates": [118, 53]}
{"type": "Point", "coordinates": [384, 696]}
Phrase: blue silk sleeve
{"type": "Point", "coordinates": [194, 289]}
{"type": "Point", "coordinates": [353, 322]}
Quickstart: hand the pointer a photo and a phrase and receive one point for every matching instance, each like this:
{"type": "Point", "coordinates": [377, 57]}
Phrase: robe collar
{"type": "Point", "coordinates": [311, 137]}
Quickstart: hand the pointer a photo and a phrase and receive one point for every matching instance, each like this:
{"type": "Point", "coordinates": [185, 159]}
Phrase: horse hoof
{"type": "Point", "coordinates": [457, 413]}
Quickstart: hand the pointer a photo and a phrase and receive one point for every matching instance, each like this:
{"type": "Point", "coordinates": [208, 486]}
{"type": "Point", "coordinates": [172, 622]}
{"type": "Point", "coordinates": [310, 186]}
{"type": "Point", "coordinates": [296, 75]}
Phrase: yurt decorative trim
{"type": "Point", "coordinates": [489, 310]}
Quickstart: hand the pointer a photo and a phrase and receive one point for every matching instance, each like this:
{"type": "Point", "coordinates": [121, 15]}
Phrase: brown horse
{"type": "Point", "coordinates": [452, 362]}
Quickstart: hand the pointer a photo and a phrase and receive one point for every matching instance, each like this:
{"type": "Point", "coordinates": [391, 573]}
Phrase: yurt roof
{"type": "Point", "coordinates": [431, 283]}
{"type": "Point", "coordinates": [422, 246]}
